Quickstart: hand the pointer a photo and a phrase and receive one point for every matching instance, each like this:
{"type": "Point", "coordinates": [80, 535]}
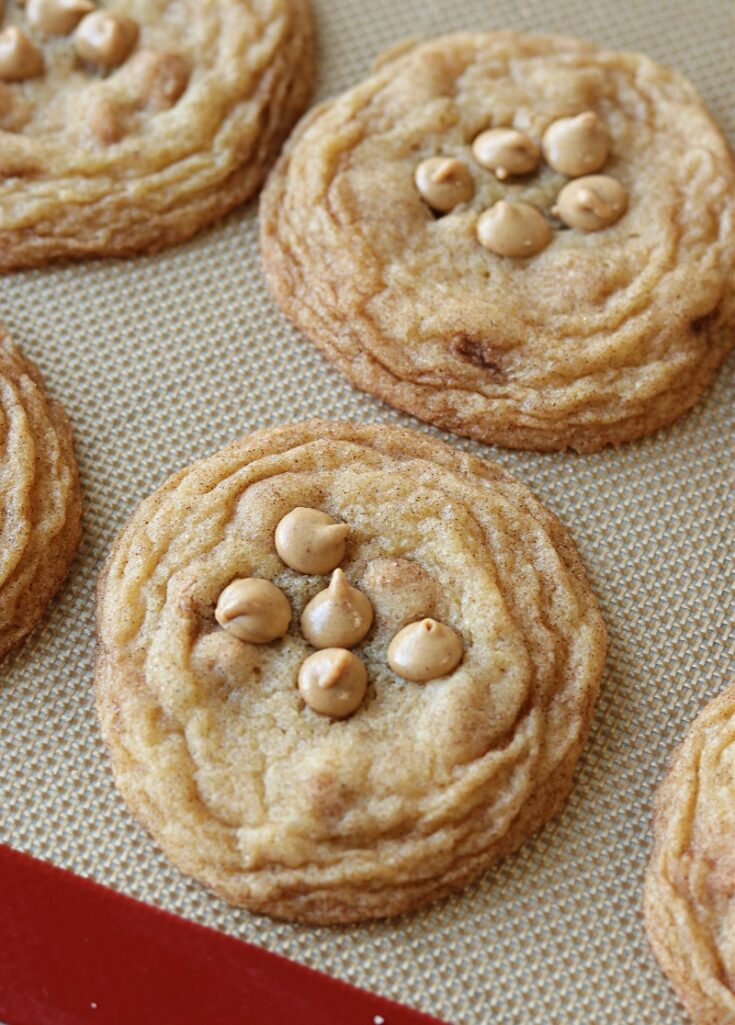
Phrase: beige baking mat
{"type": "Point", "coordinates": [162, 360]}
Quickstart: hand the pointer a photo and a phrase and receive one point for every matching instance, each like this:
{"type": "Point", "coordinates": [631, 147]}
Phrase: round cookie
{"type": "Point", "coordinates": [40, 502]}
{"type": "Point", "coordinates": [690, 886]}
{"type": "Point", "coordinates": [143, 122]}
{"type": "Point", "coordinates": [319, 785]}
{"type": "Point", "coordinates": [608, 330]}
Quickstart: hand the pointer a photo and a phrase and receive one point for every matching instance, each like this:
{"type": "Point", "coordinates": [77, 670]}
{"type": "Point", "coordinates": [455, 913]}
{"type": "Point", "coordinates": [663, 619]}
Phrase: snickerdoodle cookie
{"type": "Point", "coordinates": [342, 669]}
{"type": "Point", "coordinates": [690, 888]}
{"type": "Point", "coordinates": [128, 125]}
{"type": "Point", "coordinates": [524, 239]}
{"type": "Point", "coordinates": [40, 504]}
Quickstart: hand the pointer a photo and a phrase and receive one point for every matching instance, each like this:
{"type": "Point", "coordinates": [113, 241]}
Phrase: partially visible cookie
{"type": "Point", "coordinates": [40, 503]}
{"type": "Point", "coordinates": [523, 239]}
{"type": "Point", "coordinates": [690, 886]}
{"type": "Point", "coordinates": [343, 669]}
{"type": "Point", "coordinates": [129, 126]}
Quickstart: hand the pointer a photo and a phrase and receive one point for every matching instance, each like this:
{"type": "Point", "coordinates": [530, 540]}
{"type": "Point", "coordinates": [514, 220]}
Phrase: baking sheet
{"type": "Point", "coordinates": [161, 360]}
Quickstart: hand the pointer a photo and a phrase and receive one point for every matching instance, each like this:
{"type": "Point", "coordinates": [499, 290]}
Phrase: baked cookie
{"type": "Point", "coordinates": [690, 887]}
{"type": "Point", "coordinates": [523, 239]}
{"type": "Point", "coordinates": [40, 503]}
{"type": "Point", "coordinates": [343, 669]}
{"type": "Point", "coordinates": [129, 125]}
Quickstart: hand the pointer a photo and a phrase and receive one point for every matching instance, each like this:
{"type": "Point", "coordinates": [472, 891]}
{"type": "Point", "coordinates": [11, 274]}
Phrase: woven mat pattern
{"type": "Point", "coordinates": [161, 360]}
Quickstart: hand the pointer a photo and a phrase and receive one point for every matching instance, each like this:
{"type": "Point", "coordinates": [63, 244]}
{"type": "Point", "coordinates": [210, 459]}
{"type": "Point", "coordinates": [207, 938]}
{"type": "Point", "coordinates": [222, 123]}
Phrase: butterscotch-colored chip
{"type": "Point", "coordinates": [142, 123]}
{"type": "Point", "coordinates": [253, 610]}
{"type": "Point", "coordinates": [425, 651]}
{"type": "Point", "coordinates": [591, 203]}
{"type": "Point", "coordinates": [105, 38]}
{"type": "Point", "coordinates": [333, 682]}
{"type": "Point", "coordinates": [40, 504]}
{"type": "Point", "coordinates": [601, 336]}
{"type": "Point", "coordinates": [577, 145]}
{"type": "Point", "coordinates": [690, 885]}
{"type": "Point", "coordinates": [20, 59]}
{"type": "Point", "coordinates": [310, 540]}
{"type": "Point", "coordinates": [57, 17]}
{"type": "Point", "coordinates": [444, 183]}
{"type": "Point", "coordinates": [506, 151]}
{"type": "Point", "coordinates": [337, 617]}
{"type": "Point", "coordinates": [324, 782]}
{"type": "Point", "coordinates": [518, 230]}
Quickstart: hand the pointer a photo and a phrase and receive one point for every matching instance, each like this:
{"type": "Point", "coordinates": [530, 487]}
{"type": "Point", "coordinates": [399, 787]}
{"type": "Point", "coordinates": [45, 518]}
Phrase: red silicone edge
{"type": "Point", "coordinates": [73, 952]}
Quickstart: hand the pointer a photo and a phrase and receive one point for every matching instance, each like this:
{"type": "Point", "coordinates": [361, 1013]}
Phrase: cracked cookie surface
{"type": "Point", "coordinates": [690, 886]}
{"type": "Point", "coordinates": [40, 503]}
{"type": "Point", "coordinates": [600, 338]}
{"type": "Point", "coordinates": [297, 815]}
{"type": "Point", "coordinates": [183, 130]}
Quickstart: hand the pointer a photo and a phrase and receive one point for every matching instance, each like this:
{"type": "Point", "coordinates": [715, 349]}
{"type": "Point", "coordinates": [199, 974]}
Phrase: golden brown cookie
{"type": "Point", "coordinates": [40, 502]}
{"type": "Point", "coordinates": [127, 126]}
{"type": "Point", "coordinates": [690, 886]}
{"type": "Point", "coordinates": [320, 785]}
{"type": "Point", "coordinates": [415, 230]}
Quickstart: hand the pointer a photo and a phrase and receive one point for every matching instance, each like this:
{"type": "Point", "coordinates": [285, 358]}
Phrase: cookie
{"type": "Point", "coordinates": [343, 669]}
{"type": "Point", "coordinates": [40, 503]}
{"type": "Point", "coordinates": [523, 239]}
{"type": "Point", "coordinates": [128, 126]}
{"type": "Point", "coordinates": [690, 886]}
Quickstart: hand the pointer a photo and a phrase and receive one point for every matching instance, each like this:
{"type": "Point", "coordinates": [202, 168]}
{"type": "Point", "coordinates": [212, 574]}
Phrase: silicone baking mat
{"type": "Point", "coordinates": [75, 953]}
{"type": "Point", "coordinates": [161, 360]}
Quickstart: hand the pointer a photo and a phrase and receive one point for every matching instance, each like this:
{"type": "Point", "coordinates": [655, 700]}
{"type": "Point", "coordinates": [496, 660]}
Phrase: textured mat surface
{"type": "Point", "coordinates": [164, 359]}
